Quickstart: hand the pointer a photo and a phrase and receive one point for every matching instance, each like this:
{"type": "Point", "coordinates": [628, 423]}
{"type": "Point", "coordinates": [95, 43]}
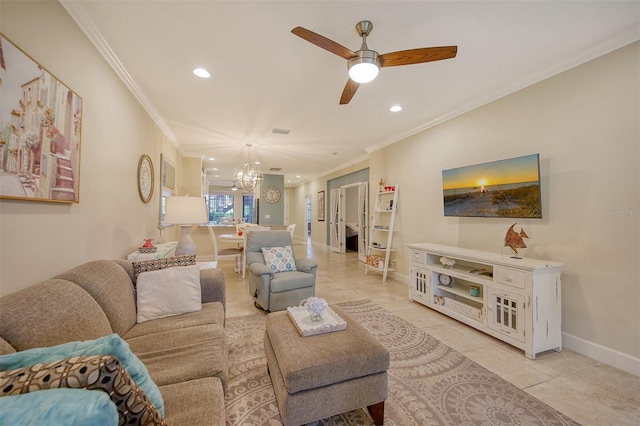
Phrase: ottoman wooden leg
{"type": "Point", "coordinates": [377, 413]}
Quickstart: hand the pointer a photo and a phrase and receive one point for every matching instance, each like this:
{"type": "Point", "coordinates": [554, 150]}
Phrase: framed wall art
{"type": "Point", "coordinates": [321, 206]}
{"type": "Point", "coordinates": [40, 131]}
{"type": "Point", "coordinates": [167, 185]}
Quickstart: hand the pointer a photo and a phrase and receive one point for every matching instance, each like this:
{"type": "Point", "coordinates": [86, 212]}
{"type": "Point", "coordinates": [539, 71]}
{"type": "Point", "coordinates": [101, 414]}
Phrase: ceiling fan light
{"type": "Point", "coordinates": [364, 67]}
{"type": "Point", "coordinates": [363, 72]}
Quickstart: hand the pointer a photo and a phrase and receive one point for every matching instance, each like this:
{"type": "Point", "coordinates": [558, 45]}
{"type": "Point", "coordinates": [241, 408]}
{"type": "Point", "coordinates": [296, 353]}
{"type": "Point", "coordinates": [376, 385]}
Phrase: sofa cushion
{"type": "Point", "coordinates": [50, 313]}
{"type": "Point", "coordinates": [168, 292]}
{"type": "Point", "coordinates": [105, 373]}
{"type": "Point", "coordinates": [279, 259]}
{"type": "Point", "coordinates": [211, 313]}
{"type": "Point", "coordinates": [164, 263]}
{"type": "Point", "coordinates": [111, 287]}
{"type": "Point", "coordinates": [71, 407]}
{"type": "Point", "coordinates": [185, 354]}
{"type": "Point", "coordinates": [196, 402]}
{"type": "Point", "coordinates": [5, 347]}
{"type": "Point", "coordinates": [111, 345]}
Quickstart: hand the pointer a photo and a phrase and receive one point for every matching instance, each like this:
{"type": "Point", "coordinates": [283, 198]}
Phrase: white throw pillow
{"type": "Point", "coordinates": [167, 292]}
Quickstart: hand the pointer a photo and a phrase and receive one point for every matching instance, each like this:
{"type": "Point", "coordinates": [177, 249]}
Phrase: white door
{"type": "Point", "coordinates": [337, 242]}
{"type": "Point", "coordinates": [363, 228]}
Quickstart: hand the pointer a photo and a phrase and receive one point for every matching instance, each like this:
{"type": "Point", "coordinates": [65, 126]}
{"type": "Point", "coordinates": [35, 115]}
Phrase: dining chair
{"type": "Point", "coordinates": [291, 228]}
{"type": "Point", "coordinates": [225, 253]}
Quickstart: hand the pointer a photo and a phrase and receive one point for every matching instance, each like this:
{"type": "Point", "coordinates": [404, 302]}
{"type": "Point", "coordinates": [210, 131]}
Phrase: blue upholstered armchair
{"type": "Point", "coordinates": [276, 279]}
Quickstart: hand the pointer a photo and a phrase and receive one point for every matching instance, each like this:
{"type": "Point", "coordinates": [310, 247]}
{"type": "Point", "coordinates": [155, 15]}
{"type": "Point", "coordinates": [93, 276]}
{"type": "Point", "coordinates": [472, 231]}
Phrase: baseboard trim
{"type": "Point", "coordinates": [603, 354]}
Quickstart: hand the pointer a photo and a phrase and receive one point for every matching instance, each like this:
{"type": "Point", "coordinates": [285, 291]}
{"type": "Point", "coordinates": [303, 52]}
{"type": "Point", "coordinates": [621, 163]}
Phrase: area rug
{"type": "Point", "coordinates": [429, 383]}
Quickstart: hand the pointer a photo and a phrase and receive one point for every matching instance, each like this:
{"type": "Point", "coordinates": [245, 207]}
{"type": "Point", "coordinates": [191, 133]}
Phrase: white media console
{"type": "Point", "coordinates": [514, 300]}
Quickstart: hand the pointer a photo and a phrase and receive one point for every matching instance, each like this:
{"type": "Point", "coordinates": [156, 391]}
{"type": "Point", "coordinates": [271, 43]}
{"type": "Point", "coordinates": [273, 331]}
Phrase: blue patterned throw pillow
{"type": "Point", "coordinates": [279, 259]}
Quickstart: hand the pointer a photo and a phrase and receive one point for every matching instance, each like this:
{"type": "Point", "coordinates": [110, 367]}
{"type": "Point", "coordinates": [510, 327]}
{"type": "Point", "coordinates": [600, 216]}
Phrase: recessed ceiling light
{"type": "Point", "coordinates": [256, 162]}
{"type": "Point", "coordinates": [212, 159]}
{"type": "Point", "coordinates": [395, 108]}
{"type": "Point", "coordinates": [214, 168]}
{"type": "Point", "coordinates": [202, 73]}
{"type": "Point", "coordinates": [297, 176]}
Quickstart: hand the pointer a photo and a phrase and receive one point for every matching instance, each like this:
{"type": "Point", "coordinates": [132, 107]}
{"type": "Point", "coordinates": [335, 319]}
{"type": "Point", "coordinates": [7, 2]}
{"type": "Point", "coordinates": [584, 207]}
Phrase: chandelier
{"type": "Point", "coordinates": [248, 176]}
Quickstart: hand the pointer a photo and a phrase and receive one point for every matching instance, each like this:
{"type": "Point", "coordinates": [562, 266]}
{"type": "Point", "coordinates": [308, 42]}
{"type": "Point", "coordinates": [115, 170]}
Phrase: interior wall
{"type": "Point", "coordinates": [272, 214]}
{"type": "Point", "coordinates": [298, 202]}
{"type": "Point", "coordinates": [585, 125]}
{"type": "Point", "coordinates": [39, 240]}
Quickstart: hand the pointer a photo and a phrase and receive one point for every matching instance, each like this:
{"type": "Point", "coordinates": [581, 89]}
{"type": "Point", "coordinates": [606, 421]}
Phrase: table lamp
{"type": "Point", "coordinates": [186, 212]}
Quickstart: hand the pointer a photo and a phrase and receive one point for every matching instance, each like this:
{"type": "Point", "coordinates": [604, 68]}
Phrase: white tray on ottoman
{"type": "Point", "coordinates": [325, 374]}
{"type": "Point", "coordinates": [302, 320]}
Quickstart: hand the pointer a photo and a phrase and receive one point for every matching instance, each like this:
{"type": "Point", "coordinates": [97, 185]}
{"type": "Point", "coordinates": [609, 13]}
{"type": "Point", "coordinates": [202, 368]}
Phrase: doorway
{"type": "Point", "coordinates": [348, 219]}
{"type": "Point", "coordinates": [307, 225]}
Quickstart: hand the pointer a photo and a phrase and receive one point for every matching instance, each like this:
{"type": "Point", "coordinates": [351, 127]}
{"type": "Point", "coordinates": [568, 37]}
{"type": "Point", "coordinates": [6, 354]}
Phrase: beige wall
{"type": "Point", "coordinates": [39, 240]}
{"type": "Point", "coordinates": [298, 203]}
{"type": "Point", "coordinates": [585, 125]}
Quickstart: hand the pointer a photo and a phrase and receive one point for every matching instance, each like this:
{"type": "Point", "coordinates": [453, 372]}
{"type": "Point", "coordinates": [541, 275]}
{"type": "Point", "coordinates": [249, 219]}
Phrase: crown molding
{"type": "Point", "coordinates": [77, 13]}
{"type": "Point", "coordinates": [616, 41]}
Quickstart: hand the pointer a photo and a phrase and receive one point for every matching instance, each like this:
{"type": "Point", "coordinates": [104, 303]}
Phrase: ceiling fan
{"type": "Point", "coordinates": [365, 63]}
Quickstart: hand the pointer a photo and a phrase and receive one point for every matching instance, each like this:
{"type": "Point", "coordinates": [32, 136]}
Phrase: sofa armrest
{"type": "Point", "coordinates": [306, 265]}
{"type": "Point", "coordinates": [213, 286]}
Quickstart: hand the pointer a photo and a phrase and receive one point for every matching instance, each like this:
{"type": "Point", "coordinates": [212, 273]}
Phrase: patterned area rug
{"type": "Point", "coordinates": [429, 383]}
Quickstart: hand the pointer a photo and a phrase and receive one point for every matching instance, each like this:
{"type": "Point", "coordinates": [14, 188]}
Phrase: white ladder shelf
{"type": "Point", "coordinates": [380, 244]}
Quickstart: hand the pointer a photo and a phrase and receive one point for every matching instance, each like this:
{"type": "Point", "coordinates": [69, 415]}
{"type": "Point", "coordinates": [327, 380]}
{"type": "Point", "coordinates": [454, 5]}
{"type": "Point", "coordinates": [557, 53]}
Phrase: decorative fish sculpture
{"type": "Point", "coordinates": [514, 240]}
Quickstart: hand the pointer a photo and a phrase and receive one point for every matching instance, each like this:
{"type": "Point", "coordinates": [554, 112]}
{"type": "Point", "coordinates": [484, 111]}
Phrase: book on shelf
{"type": "Point", "coordinates": [481, 271]}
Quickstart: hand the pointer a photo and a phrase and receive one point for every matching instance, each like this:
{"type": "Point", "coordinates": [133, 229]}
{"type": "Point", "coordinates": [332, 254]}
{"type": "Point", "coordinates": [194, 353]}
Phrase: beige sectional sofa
{"type": "Point", "coordinates": [186, 355]}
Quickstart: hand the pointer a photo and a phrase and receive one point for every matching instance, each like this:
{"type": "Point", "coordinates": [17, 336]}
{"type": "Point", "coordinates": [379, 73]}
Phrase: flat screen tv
{"type": "Point", "coordinates": [506, 188]}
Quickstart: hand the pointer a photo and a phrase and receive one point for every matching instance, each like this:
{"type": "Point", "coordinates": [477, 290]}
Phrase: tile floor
{"type": "Point", "coordinates": [586, 390]}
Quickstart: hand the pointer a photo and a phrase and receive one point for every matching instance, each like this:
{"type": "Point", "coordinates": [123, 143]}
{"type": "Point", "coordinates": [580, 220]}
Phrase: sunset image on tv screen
{"type": "Point", "coordinates": [504, 188]}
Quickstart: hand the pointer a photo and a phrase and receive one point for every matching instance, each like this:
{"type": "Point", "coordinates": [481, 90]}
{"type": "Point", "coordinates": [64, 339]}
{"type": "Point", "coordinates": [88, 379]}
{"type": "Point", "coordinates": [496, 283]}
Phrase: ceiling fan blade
{"type": "Point", "coordinates": [348, 92]}
{"type": "Point", "coordinates": [323, 42]}
{"type": "Point", "coordinates": [418, 56]}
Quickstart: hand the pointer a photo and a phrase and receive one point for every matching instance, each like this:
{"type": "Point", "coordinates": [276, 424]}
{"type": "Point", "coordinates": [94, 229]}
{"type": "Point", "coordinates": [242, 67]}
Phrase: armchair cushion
{"type": "Point", "coordinates": [292, 280]}
{"type": "Point", "coordinates": [279, 259]}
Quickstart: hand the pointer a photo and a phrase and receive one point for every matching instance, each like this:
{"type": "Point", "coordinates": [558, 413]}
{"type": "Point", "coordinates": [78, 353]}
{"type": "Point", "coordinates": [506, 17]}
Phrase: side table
{"type": "Point", "coordinates": [167, 249]}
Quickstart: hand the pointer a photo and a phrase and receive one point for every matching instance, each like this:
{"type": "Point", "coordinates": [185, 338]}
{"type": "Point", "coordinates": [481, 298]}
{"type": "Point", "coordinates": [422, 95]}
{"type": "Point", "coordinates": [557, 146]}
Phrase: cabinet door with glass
{"type": "Point", "coordinates": [506, 313]}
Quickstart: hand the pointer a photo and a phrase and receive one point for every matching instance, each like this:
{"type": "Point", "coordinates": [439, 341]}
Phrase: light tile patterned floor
{"type": "Point", "coordinates": [589, 392]}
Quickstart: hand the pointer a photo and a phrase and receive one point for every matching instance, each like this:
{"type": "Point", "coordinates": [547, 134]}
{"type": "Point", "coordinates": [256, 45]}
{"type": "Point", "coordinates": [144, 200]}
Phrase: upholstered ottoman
{"type": "Point", "coordinates": [319, 376]}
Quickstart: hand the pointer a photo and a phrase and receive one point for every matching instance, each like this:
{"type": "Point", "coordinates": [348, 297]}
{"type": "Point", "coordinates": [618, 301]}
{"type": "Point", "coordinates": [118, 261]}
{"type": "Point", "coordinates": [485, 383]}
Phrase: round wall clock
{"type": "Point", "coordinates": [145, 178]}
{"type": "Point", "coordinates": [271, 194]}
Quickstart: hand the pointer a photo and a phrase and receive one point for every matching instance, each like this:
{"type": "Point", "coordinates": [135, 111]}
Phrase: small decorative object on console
{"type": "Point", "coordinates": [447, 262]}
{"type": "Point", "coordinates": [445, 280]}
{"type": "Point", "coordinates": [148, 246]}
{"type": "Point", "coordinates": [514, 240]}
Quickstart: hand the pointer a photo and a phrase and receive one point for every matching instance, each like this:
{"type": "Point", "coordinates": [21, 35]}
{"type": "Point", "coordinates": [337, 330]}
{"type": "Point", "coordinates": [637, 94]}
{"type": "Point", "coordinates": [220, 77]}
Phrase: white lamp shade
{"type": "Point", "coordinates": [185, 211]}
{"type": "Point", "coordinates": [363, 72]}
